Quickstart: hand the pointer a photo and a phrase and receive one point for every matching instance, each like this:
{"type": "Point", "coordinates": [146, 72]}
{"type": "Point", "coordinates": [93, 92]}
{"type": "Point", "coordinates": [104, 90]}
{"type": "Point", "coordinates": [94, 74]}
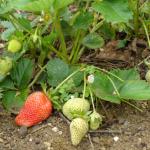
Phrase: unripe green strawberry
{"type": "Point", "coordinates": [75, 107]}
{"type": "Point", "coordinates": [14, 46]}
{"type": "Point", "coordinates": [147, 76]}
{"type": "Point", "coordinates": [78, 129]}
{"type": "Point", "coordinates": [95, 120]}
{"type": "Point", "coordinates": [5, 65]}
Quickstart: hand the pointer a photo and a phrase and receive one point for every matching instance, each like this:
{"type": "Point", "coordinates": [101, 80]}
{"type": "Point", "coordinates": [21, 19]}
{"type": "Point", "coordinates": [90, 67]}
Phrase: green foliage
{"type": "Point", "coordinates": [83, 20]}
{"type": "Point", "coordinates": [22, 73]}
{"type": "Point", "coordinates": [135, 90]}
{"type": "Point", "coordinates": [146, 7]}
{"type": "Point", "coordinates": [1, 95]}
{"type": "Point", "coordinates": [93, 41]}
{"type": "Point", "coordinates": [114, 11]}
{"type": "Point", "coordinates": [7, 83]}
{"type": "Point", "coordinates": [9, 29]}
{"type": "Point", "coordinates": [13, 100]}
{"type": "Point", "coordinates": [103, 88]}
{"type": "Point", "coordinates": [57, 71]}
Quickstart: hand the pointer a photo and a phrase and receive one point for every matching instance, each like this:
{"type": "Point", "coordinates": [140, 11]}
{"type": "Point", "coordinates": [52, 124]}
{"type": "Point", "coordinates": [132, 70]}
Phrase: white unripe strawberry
{"type": "Point", "coordinates": [78, 129]}
{"type": "Point", "coordinates": [75, 107]}
{"type": "Point", "coordinates": [95, 120]}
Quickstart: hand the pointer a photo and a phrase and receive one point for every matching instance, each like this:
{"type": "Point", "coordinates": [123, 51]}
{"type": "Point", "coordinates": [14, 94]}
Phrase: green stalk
{"type": "Point", "coordinates": [146, 32]}
{"type": "Point", "coordinates": [37, 76]}
{"type": "Point", "coordinates": [42, 57]}
{"type": "Point", "coordinates": [59, 54]}
{"type": "Point", "coordinates": [113, 84]}
{"type": "Point", "coordinates": [136, 18]}
{"type": "Point", "coordinates": [132, 105]}
{"type": "Point", "coordinates": [77, 50]}
{"type": "Point", "coordinates": [61, 35]}
{"type": "Point", "coordinates": [103, 70]}
{"type": "Point", "coordinates": [97, 26]}
{"type": "Point", "coordinates": [84, 89]}
{"type": "Point", "coordinates": [75, 56]}
{"type": "Point", "coordinates": [92, 100]}
{"type": "Point", "coordinates": [80, 53]}
{"type": "Point", "coordinates": [75, 45]}
{"type": "Point", "coordinates": [71, 75]}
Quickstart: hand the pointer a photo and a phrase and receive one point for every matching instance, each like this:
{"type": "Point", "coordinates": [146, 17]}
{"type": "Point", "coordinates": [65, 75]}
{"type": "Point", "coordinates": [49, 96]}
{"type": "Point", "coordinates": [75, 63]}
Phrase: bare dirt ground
{"type": "Point", "coordinates": [131, 127]}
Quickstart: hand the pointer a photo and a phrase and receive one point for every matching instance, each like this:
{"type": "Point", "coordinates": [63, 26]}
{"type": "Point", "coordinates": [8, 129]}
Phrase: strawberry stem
{"type": "Point", "coordinates": [71, 75]}
{"type": "Point", "coordinates": [92, 99]}
{"type": "Point", "coordinates": [37, 76]}
{"type": "Point", "coordinates": [84, 90]}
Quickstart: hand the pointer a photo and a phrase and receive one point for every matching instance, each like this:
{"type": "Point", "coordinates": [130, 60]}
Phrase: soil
{"type": "Point", "coordinates": [125, 129]}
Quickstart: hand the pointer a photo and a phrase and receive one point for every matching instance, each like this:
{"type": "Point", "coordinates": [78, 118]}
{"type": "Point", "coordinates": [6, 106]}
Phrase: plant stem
{"type": "Point", "coordinates": [92, 99]}
{"type": "Point", "coordinates": [59, 54]}
{"type": "Point", "coordinates": [84, 89]}
{"type": "Point", "coordinates": [42, 57]}
{"type": "Point", "coordinates": [75, 57]}
{"type": "Point", "coordinates": [60, 33]}
{"type": "Point", "coordinates": [75, 45]}
{"type": "Point", "coordinates": [146, 32]}
{"type": "Point", "coordinates": [136, 18]}
{"type": "Point", "coordinates": [110, 74]}
{"type": "Point", "coordinates": [97, 26]}
{"type": "Point", "coordinates": [113, 84]}
{"type": "Point", "coordinates": [80, 53]}
{"type": "Point", "coordinates": [17, 22]}
{"type": "Point", "coordinates": [37, 76]}
{"type": "Point", "coordinates": [71, 75]}
{"type": "Point", "coordinates": [132, 105]}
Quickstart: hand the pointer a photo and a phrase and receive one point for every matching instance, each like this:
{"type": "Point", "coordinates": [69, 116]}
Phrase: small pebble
{"type": "Point", "coordinates": [60, 132]}
{"type": "Point", "coordinates": [55, 129]}
{"type": "Point", "coordinates": [116, 138]}
{"type": "Point", "coordinates": [96, 139]}
{"type": "Point", "coordinates": [1, 140]}
{"type": "Point", "coordinates": [23, 131]}
{"type": "Point", "coordinates": [47, 144]}
{"type": "Point", "coordinates": [103, 148]}
{"type": "Point", "coordinates": [30, 140]}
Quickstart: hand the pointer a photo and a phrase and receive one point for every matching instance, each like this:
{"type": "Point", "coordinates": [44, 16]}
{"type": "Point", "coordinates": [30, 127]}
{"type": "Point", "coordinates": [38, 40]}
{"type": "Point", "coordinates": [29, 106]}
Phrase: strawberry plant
{"type": "Point", "coordinates": [43, 43]}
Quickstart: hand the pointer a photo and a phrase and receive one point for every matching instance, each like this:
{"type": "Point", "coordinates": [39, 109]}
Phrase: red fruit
{"type": "Point", "coordinates": [36, 109]}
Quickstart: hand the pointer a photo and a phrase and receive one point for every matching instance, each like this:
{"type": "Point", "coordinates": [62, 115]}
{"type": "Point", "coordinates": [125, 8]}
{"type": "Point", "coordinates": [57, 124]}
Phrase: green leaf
{"type": "Point", "coordinates": [121, 44]}
{"type": "Point", "coordinates": [93, 40]}
{"type": "Point", "coordinates": [146, 7]}
{"type": "Point", "coordinates": [135, 90]}
{"type": "Point", "coordinates": [25, 23]}
{"type": "Point", "coordinates": [124, 75]}
{"type": "Point", "coordinates": [103, 89]}
{"type": "Point", "coordinates": [49, 39]}
{"type": "Point", "coordinates": [78, 77]}
{"type": "Point", "coordinates": [36, 6]}
{"type": "Point", "coordinates": [114, 11]}
{"type": "Point", "coordinates": [83, 20]}
{"type": "Point", "coordinates": [10, 5]}
{"type": "Point", "coordinates": [9, 29]}
{"type": "Point", "coordinates": [22, 73]}
{"type": "Point", "coordinates": [57, 71]}
{"type": "Point", "coordinates": [13, 100]}
{"type": "Point", "coordinates": [1, 94]}
{"type": "Point", "coordinates": [61, 4]}
{"type": "Point", "coordinates": [7, 83]}
{"type": "Point", "coordinates": [127, 74]}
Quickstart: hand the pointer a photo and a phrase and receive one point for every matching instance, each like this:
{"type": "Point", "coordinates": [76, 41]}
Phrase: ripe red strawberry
{"type": "Point", "coordinates": [36, 109]}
